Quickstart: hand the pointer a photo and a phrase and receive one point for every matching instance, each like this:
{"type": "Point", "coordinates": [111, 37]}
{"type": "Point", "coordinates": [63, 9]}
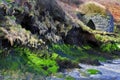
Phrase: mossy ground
{"type": "Point", "coordinates": [26, 60]}
{"type": "Point", "coordinates": [77, 53]}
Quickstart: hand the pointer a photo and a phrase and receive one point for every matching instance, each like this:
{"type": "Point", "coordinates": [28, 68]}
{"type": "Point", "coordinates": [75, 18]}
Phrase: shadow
{"type": "Point", "coordinates": [77, 36]}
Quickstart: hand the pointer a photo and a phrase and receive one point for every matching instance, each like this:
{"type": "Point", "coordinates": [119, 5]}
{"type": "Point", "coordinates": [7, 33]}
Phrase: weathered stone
{"type": "Point", "coordinates": [101, 23]}
{"type": "Point", "coordinates": [99, 14]}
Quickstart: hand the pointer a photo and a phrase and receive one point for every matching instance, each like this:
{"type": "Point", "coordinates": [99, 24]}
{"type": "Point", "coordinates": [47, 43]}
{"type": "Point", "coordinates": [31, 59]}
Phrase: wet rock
{"type": "Point", "coordinates": [67, 64]}
{"type": "Point", "coordinates": [108, 61]}
{"type": "Point", "coordinates": [91, 62]}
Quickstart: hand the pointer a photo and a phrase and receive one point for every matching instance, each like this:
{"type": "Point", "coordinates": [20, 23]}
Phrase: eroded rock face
{"type": "Point", "coordinates": [52, 7]}
{"type": "Point", "coordinates": [49, 22]}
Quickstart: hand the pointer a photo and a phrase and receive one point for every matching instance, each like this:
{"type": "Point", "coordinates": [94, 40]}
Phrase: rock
{"type": "Point", "coordinates": [1, 77]}
{"type": "Point", "coordinates": [109, 61]}
{"type": "Point", "coordinates": [52, 6]}
{"type": "Point", "coordinates": [97, 16]}
{"type": "Point", "coordinates": [49, 22]}
{"type": "Point", "coordinates": [67, 64]}
{"type": "Point", "coordinates": [2, 13]}
{"type": "Point", "coordinates": [116, 53]}
{"type": "Point", "coordinates": [91, 24]}
{"type": "Point", "coordinates": [100, 23]}
{"type": "Point", "coordinates": [76, 36]}
{"type": "Point", "coordinates": [91, 62]}
{"type": "Point", "coordinates": [43, 20]}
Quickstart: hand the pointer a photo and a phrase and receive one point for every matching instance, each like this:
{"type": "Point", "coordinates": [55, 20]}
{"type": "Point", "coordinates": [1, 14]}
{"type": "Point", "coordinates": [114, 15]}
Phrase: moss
{"type": "Point", "coordinates": [45, 64]}
{"type": "Point", "coordinates": [68, 51]}
{"type": "Point", "coordinates": [110, 47]}
{"type": "Point", "coordinates": [93, 71]}
{"type": "Point", "coordinates": [8, 1]}
{"type": "Point", "coordinates": [26, 60]}
{"type": "Point", "coordinates": [106, 38]}
{"type": "Point", "coordinates": [78, 54]}
{"type": "Point", "coordinates": [69, 78]}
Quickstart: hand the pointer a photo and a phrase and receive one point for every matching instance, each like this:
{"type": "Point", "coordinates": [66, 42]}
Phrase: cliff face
{"type": "Point", "coordinates": [54, 21]}
{"type": "Point", "coordinates": [47, 20]}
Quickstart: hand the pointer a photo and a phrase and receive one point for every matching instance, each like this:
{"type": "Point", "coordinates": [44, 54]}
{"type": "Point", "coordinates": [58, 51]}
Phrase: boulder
{"type": "Point", "coordinates": [99, 22]}
{"type": "Point", "coordinates": [96, 16]}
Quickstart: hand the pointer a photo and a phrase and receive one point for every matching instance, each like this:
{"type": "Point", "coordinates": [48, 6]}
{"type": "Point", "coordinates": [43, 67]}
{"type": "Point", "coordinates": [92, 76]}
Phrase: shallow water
{"type": "Point", "coordinates": [108, 71]}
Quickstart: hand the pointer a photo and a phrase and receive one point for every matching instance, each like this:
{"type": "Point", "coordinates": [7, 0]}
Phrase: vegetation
{"type": "Point", "coordinates": [30, 59]}
{"type": "Point", "coordinates": [110, 47]}
{"type": "Point", "coordinates": [36, 61]}
{"type": "Point", "coordinates": [8, 1]}
{"type": "Point", "coordinates": [26, 60]}
{"type": "Point", "coordinates": [15, 33]}
{"type": "Point", "coordinates": [93, 8]}
{"type": "Point", "coordinates": [93, 71]}
{"type": "Point", "coordinates": [76, 53]}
